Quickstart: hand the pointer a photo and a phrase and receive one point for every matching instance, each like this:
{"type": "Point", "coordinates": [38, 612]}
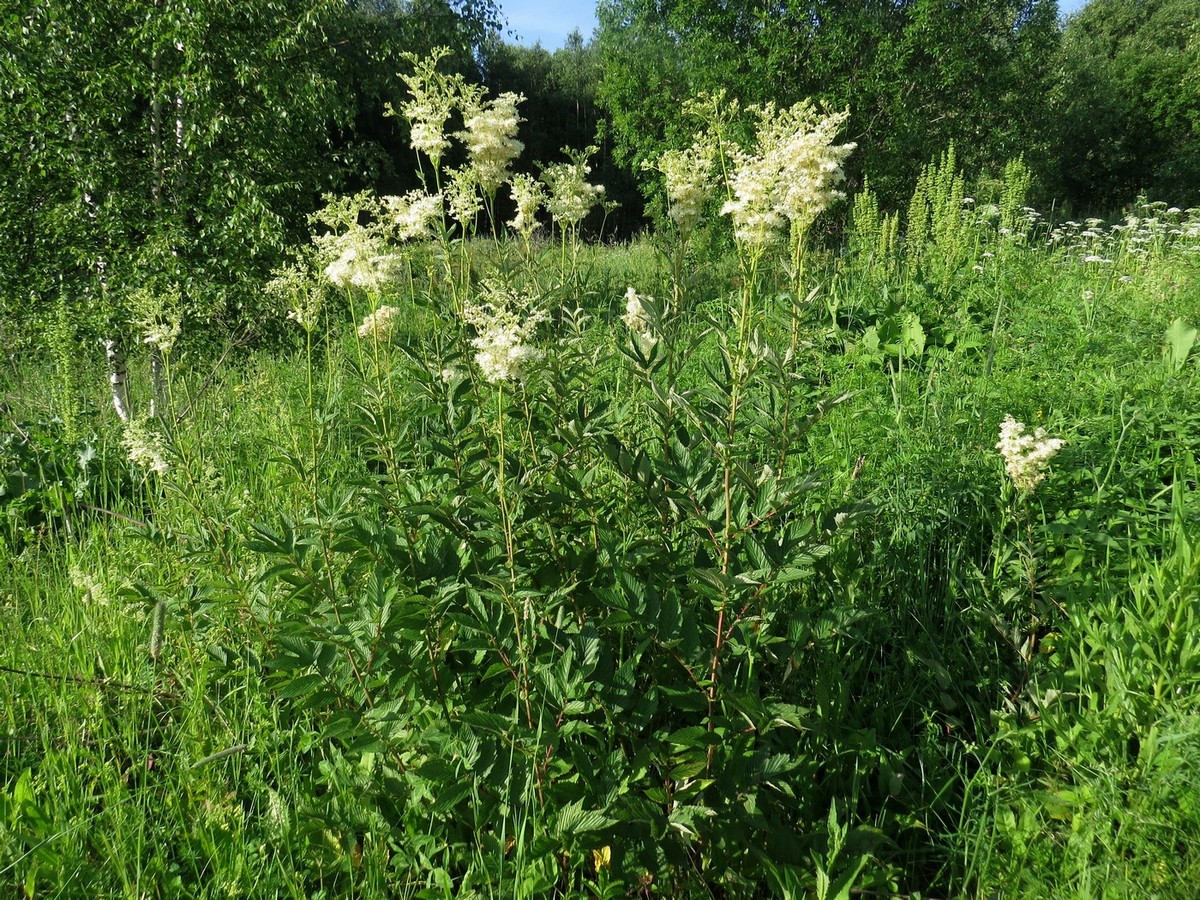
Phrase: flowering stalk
{"type": "Point", "coordinates": [687, 176]}
{"type": "Point", "coordinates": [433, 97]}
{"type": "Point", "coordinates": [571, 199]}
{"type": "Point", "coordinates": [490, 139]}
{"type": "Point", "coordinates": [1026, 458]}
{"type": "Point", "coordinates": [504, 323]}
{"type": "Point", "coordinates": [528, 195]}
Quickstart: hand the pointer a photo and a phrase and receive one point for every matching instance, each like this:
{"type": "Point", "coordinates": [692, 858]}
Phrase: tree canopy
{"type": "Point", "coordinates": [916, 74]}
{"type": "Point", "coordinates": [182, 144]}
{"type": "Point", "coordinates": [1129, 102]}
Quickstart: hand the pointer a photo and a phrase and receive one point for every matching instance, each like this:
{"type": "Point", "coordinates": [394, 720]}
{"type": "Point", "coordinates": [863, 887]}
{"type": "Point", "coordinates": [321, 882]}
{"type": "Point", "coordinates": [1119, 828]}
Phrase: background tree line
{"type": "Point", "coordinates": [1101, 107]}
{"type": "Point", "coordinates": [179, 146]}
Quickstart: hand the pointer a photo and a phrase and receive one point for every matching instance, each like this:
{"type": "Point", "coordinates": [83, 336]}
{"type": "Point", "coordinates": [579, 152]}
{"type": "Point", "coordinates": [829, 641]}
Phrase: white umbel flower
{"type": "Point", "coordinates": [758, 221]}
{"type": "Point", "coordinates": [359, 262]}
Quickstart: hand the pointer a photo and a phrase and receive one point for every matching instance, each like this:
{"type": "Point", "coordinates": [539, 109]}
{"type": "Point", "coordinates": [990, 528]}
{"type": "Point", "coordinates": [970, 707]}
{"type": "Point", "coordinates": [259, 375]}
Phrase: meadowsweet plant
{"type": "Point", "coordinates": [637, 316]}
{"type": "Point", "coordinates": [1026, 456]}
{"type": "Point", "coordinates": [490, 137]}
{"type": "Point", "coordinates": [463, 200]}
{"type": "Point", "coordinates": [352, 251]}
{"type": "Point", "coordinates": [434, 96]}
{"type": "Point", "coordinates": [415, 215]}
{"type": "Point", "coordinates": [360, 262]}
{"type": "Point", "coordinates": [562, 614]}
{"type": "Point", "coordinates": [811, 164]}
{"type": "Point", "coordinates": [1023, 607]}
{"type": "Point", "coordinates": [294, 289]}
{"type": "Point", "coordinates": [163, 334]}
{"type": "Point", "coordinates": [689, 182]}
{"type": "Point", "coordinates": [570, 197]}
{"type": "Point", "coordinates": [380, 324]}
{"type": "Point", "coordinates": [157, 317]}
{"type": "Point", "coordinates": [528, 196]}
{"type": "Point", "coordinates": [144, 447]}
{"type": "Point", "coordinates": [504, 324]}
{"type": "Point", "coordinates": [776, 187]}
{"type": "Point", "coordinates": [754, 208]}
{"type": "Point", "coordinates": [788, 178]}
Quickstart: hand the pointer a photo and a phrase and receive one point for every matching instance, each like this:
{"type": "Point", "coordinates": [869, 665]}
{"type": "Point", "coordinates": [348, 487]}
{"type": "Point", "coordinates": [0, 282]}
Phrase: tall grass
{"type": "Point", "coordinates": [727, 594]}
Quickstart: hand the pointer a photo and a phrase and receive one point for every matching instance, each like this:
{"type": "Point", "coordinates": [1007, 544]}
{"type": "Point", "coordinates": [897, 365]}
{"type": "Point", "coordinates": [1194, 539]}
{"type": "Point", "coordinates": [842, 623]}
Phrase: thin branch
{"type": "Point", "coordinates": [91, 682]}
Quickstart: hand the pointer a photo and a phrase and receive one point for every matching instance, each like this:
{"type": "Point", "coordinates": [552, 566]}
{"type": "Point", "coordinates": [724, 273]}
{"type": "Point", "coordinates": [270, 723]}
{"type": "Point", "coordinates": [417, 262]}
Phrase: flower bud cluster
{"type": "Point", "coordinates": [1026, 456]}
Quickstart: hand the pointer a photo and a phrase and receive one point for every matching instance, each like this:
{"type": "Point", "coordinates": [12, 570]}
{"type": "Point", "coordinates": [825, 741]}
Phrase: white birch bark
{"type": "Point", "coordinates": [117, 378]}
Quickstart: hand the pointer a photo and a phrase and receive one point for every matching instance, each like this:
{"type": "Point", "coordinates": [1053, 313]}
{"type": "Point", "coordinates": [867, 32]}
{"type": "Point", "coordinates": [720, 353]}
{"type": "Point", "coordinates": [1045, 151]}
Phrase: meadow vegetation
{"type": "Point", "coordinates": [745, 558]}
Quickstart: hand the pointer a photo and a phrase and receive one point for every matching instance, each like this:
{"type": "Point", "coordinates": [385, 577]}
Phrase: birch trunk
{"type": "Point", "coordinates": [117, 378]}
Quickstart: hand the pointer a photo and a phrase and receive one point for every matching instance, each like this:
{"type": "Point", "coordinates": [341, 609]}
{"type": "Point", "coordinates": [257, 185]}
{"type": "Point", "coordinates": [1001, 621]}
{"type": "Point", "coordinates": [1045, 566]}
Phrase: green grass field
{"type": "Point", "coordinates": [486, 576]}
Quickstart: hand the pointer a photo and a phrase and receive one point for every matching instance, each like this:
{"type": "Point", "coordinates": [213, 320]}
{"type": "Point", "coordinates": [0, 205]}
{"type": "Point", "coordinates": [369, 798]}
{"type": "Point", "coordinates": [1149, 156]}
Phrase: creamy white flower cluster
{"type": "Point", "coordinates": [528, 195]}
{"type": "Point", "coordinates": [757, 219]}
{"type": "Point", "coordinates": [490, 138]}
{"type": "Point", "coordinates": [637, 317]}
{"type": "Point", "coordinates": [414, 213]}
{"type": "Point", "coordinates": [504, 324]}
{"type": "Point", "coordinates": [359, 263]}
{"type": "Point", "coordinates": [304, 298]}
{"type": "Point", "coordinates": [379, 324]}
{"type": "Point", "coordinates": [571, 196]}
{"type": "Point", "coordinates": [1026, 456]}
{"type": "Point", "coordinates": [434, 98]}
{"type": "Point", "coordinates": [162, 334]}
{"type": "Point", "coordinates": [144, 447]}
{"type": "Point", "coordinates": [792, 176]}
{"type": "Point", "coordinates": [689, 182]}
{"type": "Point", "coordinates": [462, 196]}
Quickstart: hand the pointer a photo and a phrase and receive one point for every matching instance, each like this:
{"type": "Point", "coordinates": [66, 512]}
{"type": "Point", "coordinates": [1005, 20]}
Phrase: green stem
{"type": "Point", "coordinates": [505, 513]}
